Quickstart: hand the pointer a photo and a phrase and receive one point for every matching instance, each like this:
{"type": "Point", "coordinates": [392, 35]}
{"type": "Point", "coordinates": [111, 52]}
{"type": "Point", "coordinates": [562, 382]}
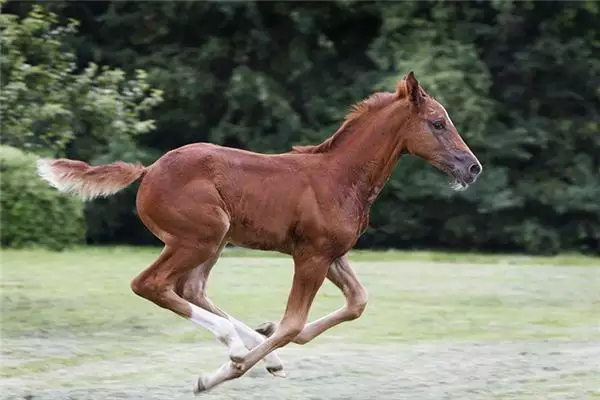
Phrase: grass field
{"type": "Point", "coordinates": [438, 326]}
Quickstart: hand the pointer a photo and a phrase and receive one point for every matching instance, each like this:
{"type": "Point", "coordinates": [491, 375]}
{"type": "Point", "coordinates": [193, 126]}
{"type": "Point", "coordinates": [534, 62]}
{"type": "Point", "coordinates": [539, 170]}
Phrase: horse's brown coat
{"type": "Point", "coordinates": [312, 203]}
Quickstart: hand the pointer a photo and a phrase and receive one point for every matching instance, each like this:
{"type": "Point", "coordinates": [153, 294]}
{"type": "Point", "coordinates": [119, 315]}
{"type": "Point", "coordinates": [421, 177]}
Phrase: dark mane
{"type": "Point", "coordinates": [372, 103]}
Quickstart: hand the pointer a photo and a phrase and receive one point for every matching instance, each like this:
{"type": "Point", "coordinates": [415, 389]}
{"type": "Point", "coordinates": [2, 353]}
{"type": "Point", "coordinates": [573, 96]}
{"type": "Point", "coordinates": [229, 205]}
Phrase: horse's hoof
{"type": "Point", "coordinates": [199, 386]}
{"type": "Point", "coordinates": [266, 329]}
{"type": "Point", "coordinates": [277, 371]}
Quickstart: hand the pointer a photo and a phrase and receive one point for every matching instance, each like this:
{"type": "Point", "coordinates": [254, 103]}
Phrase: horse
{"type": "Point", "coordinates": [311, 203]}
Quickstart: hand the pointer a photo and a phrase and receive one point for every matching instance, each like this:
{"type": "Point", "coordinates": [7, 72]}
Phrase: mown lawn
{"type": "Point", "coordinates": [86, 290]}
{"type": "Point", "coordinates": [65, 311]}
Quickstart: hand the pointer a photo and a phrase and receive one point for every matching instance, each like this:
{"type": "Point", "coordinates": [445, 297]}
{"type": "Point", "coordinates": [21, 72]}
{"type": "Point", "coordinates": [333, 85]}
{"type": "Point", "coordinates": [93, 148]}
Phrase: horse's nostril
{"type": "Point", "coordinates": [475, 169]}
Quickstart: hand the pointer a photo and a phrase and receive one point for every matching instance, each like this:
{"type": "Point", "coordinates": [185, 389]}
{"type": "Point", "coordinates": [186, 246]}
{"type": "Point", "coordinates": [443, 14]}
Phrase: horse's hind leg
{"type": "Point", "coordinates": [157, 284]}
{"type": "Point", "coordinates": [192, 287]}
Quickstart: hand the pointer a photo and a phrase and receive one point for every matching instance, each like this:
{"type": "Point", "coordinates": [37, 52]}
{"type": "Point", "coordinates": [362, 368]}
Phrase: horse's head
{"type": "Point", "coordinates": [432, 136]}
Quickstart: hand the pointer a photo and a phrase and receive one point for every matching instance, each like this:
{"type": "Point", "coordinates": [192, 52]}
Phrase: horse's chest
{"type": "Point", "coordinates": [343, 229]}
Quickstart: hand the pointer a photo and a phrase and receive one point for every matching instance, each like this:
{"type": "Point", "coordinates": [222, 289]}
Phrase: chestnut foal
{"type": "Point", "coordinates": [311, 203]}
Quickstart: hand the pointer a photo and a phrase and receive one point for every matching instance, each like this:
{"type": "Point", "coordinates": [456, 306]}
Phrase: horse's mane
{"type": "Point", "coordinates": [374, 102]}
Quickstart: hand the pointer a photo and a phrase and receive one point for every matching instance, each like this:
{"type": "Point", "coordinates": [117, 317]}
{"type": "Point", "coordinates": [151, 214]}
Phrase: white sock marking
{"type": "Point", "coordinates": [222, 328]}
{"type": "Point", "coordinates": [219, 326]}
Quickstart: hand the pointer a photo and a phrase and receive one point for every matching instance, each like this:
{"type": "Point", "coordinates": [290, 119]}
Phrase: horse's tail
{"type": "Point", "coordinates": [79, 178]}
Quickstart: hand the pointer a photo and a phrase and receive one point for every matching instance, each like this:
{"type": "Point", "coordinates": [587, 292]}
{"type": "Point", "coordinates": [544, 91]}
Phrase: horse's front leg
{"type": "Point", "coordinates": [309, 274]}
{"type": "Point", "coordinates": [342, 275]}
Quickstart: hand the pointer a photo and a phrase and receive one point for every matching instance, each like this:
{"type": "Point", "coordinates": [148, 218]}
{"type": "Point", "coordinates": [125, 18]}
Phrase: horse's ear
{"type": "Point", "coordinates": [401, 90]}
{"type": "Point", "coordinates": [413, 91]}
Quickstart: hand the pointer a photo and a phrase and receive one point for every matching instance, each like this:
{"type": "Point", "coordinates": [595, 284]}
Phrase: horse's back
{"type": "Point", "coordinates": [260, 193]}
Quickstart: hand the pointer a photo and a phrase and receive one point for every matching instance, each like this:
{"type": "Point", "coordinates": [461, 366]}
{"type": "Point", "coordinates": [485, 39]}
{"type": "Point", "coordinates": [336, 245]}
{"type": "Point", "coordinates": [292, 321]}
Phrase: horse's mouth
{"type": "Point", "coordinates": [458, 183]}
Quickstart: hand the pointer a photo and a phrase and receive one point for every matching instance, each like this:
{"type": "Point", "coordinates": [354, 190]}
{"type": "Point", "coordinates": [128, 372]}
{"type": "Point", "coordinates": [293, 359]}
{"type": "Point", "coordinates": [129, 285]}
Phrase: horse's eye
{"type": "Point", "coordinates": [439, 124]}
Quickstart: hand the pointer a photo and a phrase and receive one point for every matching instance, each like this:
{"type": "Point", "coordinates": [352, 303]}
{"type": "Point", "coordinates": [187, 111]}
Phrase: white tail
{"type": "Point", "coordinates": [80, 178]}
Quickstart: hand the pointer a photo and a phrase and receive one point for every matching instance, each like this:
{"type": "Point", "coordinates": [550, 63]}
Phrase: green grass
{"type": "Point", "coordinates": [86, 290]}
{"type": "Point", "coordinates": [75, 310]}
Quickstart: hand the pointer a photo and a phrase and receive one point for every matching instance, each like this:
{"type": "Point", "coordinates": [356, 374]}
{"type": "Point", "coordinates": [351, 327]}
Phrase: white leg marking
{"type": "Point", "coordinates": [221, 328]}
{"type": "Point", "coordinates": [252, 339]}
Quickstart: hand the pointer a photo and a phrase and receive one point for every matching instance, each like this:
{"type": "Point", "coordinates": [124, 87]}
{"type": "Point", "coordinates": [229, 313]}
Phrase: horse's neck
{"type": "Point", "coordinates": [367, 156]}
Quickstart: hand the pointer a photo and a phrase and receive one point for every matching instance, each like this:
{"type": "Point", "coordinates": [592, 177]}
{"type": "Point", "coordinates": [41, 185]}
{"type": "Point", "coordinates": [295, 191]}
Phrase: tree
{"type": "Point", "coordinates": [520, 79]}
{"type": "Point", "coordinates": [47, 101]}
{"type": "Point", "coordinates": [53, 106]}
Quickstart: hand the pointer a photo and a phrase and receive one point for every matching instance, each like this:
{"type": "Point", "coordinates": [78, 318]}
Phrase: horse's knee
{"type": "Point", "coordinates": [357, 305]}
{"type": "Point", "coordinates": [140, 287]}
{"type": "Point", "coordinates": [356, 310]}
{"type": "Point", "coordinates": [288, 332]}
{"type": "Point", "coordinates": [300, 339]}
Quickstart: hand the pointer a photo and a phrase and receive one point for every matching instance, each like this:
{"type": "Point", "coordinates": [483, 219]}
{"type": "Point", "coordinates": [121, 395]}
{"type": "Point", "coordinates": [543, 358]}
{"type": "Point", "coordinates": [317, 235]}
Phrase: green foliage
{"type": "Point", "coordinates": [238, 78]}
{"type": "Point", "coordinates": [52, 104]}
{"type": "Point", "coordinates": [526, 100]}
{"type": "Point", "coordinates": [47, 100]}
{"type": "Point", "coordinates": [521, 81]}
{"type": "Point", "coordinates": [32, 212]}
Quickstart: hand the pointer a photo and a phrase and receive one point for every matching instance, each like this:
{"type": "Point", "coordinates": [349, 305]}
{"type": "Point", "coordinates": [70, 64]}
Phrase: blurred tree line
{"type": "Point", "coordinates": [521, 80]}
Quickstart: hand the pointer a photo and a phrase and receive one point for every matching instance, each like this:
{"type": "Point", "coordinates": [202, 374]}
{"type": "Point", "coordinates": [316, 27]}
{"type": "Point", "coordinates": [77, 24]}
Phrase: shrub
{"type": "Point", "coordinates": [33, 213]}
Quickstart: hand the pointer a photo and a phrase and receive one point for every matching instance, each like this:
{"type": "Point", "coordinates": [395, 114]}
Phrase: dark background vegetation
{"type": "Point", "coordinates": [521, 80]}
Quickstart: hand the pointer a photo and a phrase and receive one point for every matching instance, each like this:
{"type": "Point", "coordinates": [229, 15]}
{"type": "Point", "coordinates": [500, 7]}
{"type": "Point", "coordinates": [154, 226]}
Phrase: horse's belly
{"type": "Point", "coordinates": [259, 239]}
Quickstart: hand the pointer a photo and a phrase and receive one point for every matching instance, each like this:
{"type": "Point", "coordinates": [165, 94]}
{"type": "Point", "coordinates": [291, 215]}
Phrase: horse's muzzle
{"type": "Point", "coordinates": [466, 167]}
